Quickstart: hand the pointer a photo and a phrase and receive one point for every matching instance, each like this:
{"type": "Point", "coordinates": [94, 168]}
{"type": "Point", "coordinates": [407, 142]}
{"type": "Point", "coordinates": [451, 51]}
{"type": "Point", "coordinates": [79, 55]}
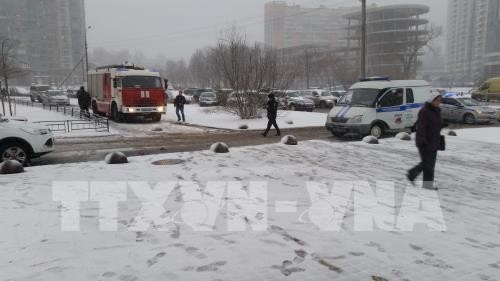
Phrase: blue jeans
{"type": "Point", "coordinates": [180, 110]}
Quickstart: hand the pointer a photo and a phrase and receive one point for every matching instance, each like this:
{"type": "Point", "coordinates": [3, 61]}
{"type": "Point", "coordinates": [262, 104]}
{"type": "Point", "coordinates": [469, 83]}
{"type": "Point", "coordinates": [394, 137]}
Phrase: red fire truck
{"type": "Point", "coordinates": [120, 91]}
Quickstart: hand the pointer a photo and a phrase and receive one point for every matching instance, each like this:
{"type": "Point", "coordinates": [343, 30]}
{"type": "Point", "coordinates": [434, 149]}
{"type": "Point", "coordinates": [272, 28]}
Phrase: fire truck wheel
{"type": "Point", "coordinates": [156, 117]}
{"type": "Point", "coordinates": [94, 108]}
{"type": "Point", "coordinates": [115, 115]}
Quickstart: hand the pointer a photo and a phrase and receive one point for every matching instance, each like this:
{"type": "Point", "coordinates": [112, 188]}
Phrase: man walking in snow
{"type": "Point", "coordinates": [179, 103]}
{"type": "Point", "coordinates": [428, 140]}
{"type": "Point", "coordinates": [84, 101]}
{"type": "Point", "coordinates": [272, 114]}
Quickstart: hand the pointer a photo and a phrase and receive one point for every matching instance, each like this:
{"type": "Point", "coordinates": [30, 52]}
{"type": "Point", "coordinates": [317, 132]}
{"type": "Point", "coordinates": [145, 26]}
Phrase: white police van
{"type": "Point", "coordinates": [378, 105]}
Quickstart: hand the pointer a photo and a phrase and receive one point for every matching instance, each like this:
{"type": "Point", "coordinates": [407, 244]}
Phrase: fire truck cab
{"type": "Point", "coordinates": [120, 91]}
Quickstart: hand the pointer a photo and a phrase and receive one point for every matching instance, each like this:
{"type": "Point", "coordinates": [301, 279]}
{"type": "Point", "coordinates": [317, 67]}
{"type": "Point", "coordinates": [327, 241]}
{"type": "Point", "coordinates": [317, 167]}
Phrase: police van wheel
{"type": "Point", "coordinates": [337, 134]}
{"type": "Point", "coordinates": [377, 130]}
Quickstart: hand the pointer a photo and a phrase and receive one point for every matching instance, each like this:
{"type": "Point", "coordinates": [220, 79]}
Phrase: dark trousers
{"type": "Point", "coordinates": [270, 123]}
{"type": "Point", "coordinates": [84, 111]}
{"type": "Point", "coordinates": [180, 110]}
{"type": "Point", "coordinates": [427, 166]}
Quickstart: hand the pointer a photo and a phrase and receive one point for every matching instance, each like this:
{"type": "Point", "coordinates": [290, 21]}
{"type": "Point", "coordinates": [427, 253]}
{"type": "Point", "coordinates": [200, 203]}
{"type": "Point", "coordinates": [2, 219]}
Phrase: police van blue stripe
{"type": "Point", "coordinates": [341, 111]}
{"type": "Point", "coordinates": [400, 108]}
{"type": "Point", "coordinates": [345, 112]}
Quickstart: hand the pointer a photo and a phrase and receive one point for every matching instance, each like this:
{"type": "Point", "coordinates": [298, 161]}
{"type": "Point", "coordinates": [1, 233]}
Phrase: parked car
{"type": "Point", "coordinates": [321, 98]}
{"type": "Point", "coordinates": [195, 93]}
{"type": "Point", "coordinates": [490, 90]}
{"type": "Point", "coordinates": [189, 99]}
{"type": "Point", "coordinates": [208, 99]}
{"type": "Point", "coordinates": [36, 90]}
{"type": "Point", "coordinates": [293, 100]}
{"type": "Point", "coordinates": [466, 110]}
{"type": "Point", "coordinates": [21, 140]}
{"type": "Point", "coordinates": [54, 97]}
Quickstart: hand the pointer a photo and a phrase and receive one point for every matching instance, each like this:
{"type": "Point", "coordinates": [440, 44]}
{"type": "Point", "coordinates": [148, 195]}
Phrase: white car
{"type": "Point", "coordinates": [21, 140]}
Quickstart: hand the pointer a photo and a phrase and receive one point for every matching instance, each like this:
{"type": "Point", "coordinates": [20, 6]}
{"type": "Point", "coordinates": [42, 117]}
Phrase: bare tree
{"type": "Point", "coordinates": [9, 67]}
{"type": "Point", "coordinates": [416, 44]}
{"type": "Point", "coordinates": [178, 73]}
{"type": "Point", "coordinates": [247, 69]}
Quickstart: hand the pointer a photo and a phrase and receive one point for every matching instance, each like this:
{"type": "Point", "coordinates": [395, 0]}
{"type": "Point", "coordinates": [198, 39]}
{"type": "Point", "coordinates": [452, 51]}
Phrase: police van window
{"type": "Point", "coordinates": [410, 98]}
{"type": "Point", "coordinates": [393, 97]}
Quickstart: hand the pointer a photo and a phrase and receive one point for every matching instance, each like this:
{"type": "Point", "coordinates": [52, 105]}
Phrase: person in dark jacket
{"type": "Point", "coordinates": [272, 114]}
{"type": "Point", "coordinates": [428, 140]}
{"type": "Point", "coordinates": [84, 100]}
{"type": "Point", "coordinates": [179, 103]}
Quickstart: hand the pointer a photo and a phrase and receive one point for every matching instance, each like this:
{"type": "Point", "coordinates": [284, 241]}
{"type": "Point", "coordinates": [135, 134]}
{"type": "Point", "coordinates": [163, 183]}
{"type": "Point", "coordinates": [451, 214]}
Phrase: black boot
{"type": "Point", "coordinates": [410, 177]}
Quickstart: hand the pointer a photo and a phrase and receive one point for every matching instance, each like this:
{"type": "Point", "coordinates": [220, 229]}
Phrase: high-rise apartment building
{"type": "Point", "coordinates": [394, 37]}
{"type": "Point", "coordinates": [50, 36]}
{"type": "Point", "coordinates": [473, 43]}
{"type": "Point", "coordinates": [292, 26]}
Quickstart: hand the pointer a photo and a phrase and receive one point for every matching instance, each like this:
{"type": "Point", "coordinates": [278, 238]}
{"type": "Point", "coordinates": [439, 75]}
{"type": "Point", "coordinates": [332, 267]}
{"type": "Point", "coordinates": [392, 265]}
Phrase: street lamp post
{"type": "Point", "coordinates": [363, 38]}
{"type": "Point", "coordinates": [86, 55]}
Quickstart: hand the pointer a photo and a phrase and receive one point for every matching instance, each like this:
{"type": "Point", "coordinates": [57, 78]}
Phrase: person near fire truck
{"type": "Point", "coordinates": [179, 103]}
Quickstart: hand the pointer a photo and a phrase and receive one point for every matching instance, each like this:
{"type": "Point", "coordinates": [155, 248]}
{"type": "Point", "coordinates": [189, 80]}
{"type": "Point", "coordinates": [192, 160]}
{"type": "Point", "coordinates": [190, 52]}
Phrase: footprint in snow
{"type": "Point", "coordinates": [154, 260]}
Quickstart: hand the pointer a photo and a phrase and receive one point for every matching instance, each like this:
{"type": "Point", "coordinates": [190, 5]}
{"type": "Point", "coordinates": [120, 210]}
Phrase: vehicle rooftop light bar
{"type": "Point", "coordinates": [366, 79]}
{"type": "Point", "coordinates": [121, 66]}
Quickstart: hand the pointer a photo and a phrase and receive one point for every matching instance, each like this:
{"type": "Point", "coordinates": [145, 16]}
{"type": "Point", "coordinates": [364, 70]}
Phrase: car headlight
{"type": "Point", "coordinates": [131, 110]}
{"type": "Point", "coordinates": [160, 109]}
{"type": "Point", "coordinates": [355, 120]}
{"type": "Point", "coordinates": [36, 131]}
{"type": "Point", "coordinates": [479, 111]}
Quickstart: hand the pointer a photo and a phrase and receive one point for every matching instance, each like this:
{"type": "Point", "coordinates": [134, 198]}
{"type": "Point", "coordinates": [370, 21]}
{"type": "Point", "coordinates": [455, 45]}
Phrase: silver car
{"type": "Point", "coordinates": [321, 98]}
{"type": "Point", "coordinates": [208, 99]}
{"type": "Point", "coordinates": [466, 110]}
{"type": "Point", "coordinates": [54, 97]}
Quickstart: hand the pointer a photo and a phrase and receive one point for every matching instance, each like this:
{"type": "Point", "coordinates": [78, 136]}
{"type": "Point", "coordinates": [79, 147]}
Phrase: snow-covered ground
{"type": "Point", "coordinates": [138, 128]}
{"type": "Point", "coordinates": [36, 114]}
{"type": "Point", "coordinates": [217, 118]}
{"type": "Point", "coordinates": [34, 247]}
{"type": "Point", "coordinates": [491, 135]}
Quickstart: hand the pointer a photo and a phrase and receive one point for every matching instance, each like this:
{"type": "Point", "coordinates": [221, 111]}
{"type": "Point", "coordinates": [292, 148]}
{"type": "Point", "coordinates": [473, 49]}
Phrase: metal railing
{"type": "Point", "coordinates": [84, 121]}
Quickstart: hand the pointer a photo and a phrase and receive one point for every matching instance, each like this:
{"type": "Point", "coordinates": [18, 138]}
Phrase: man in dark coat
{"type": "Point", "coordinates": [84, 100]}
{"type": "Point", "coordinates": [428, 140]}
{"type": "Point", "coordinates": [179, 103]}
{"type": "Point", "coordinates": [272, 113]}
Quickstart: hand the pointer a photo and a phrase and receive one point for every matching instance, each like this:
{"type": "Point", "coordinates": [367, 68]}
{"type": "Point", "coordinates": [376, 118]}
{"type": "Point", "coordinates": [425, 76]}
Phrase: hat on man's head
{"type": "Point", "coordinates": [433, 96]}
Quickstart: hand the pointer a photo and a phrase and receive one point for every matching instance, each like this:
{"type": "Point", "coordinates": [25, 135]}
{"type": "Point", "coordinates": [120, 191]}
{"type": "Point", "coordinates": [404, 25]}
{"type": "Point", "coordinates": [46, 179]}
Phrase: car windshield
{"type": "Point", "coordinates": [468, 102]}
{"type": "Point", "coordinates": [326, 94]}
{"type": "Point", "coordinates": [143, 82]}
{"type": "Point", "coordinates": [360, 97]}
{"type": "Point", "coordinates": [293, 95]}
{"type": "Point", "coordinates": [208, 95]}
{"type": "Point", "coordinates": [40, 88]}
{"type": "Point", "coordinates": [55, 93]}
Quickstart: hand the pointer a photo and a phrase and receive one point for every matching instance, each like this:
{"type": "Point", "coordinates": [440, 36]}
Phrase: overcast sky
{"type": "Point", "coordinates": [175, 28]}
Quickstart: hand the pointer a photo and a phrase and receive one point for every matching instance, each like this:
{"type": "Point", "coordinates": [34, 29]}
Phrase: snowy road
{"type": "Point", "coordinates": [93, 149]}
